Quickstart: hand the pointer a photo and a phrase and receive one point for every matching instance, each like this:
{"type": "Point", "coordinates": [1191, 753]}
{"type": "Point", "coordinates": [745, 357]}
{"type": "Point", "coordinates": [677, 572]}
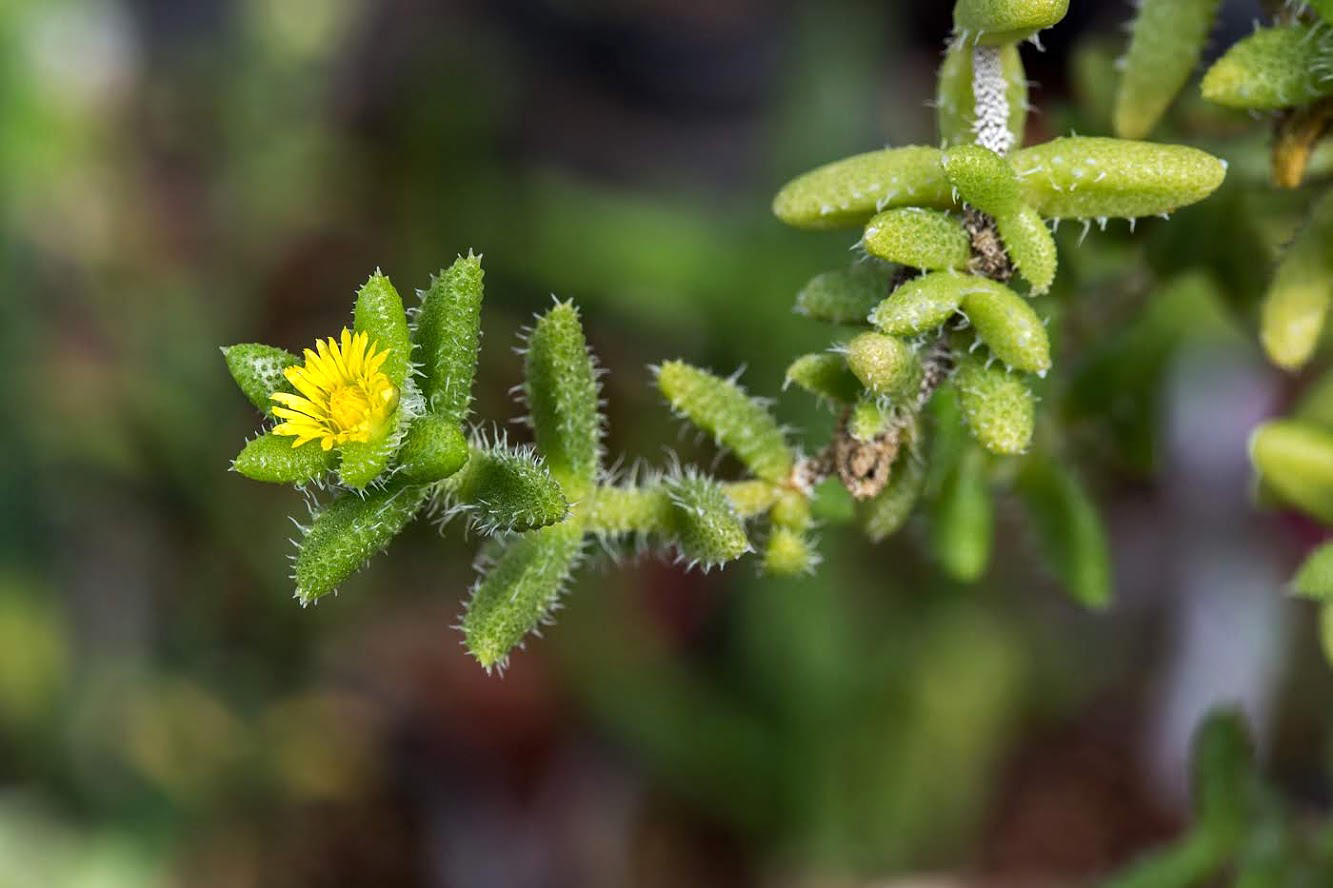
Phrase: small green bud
{"type": "Point", "coordinates": [1008, 325]}
{"type": "Point", "coordinates": [955, 102]}
{"type": "Point", "coordinates": [1296, 305]}
{"type": "Point", "coordinates": [257, 369]}
{"type": "Point", "coordinates": [869, 418]}
{"type": "Point", "coordinates": [379, 313]}
{"type": "Point", "coordinates": [825, 376]}
{"type": "Point", "coordinates": [1030, 246]}
{"type": "Point", "coordinates": [789, 553]}
{"type": "Point", "coordinates": [886, 365]}
{"type": "Point", "coordinates": [1069, 530]}
{"type": "Point", "coordinates": [1167, 39]}
{"type": "Point", "coordinates": [983, 178]}
{"type": "Point", "coordinates": [847, 192]}
{"type": "Point", "coordinates": [920, 238]}
{"type": "Point", "coordinates": [790, 510]}
{"type": "Point", "coordinates": [519, 591]}
{"type": "Point", "coordinates": [885, 515]}
{"type": "Point", "coordinates": [273, 458]}
{"type": "Point", "coordinates": [508, 491]}
{"type": "Point", "coordinates": [1295, 459]}
{"type": "Point", "coordinates": [347, 532]}
{"type": "Point", "coordinates": [962, 519]}
{"type": "Point", "coordinates": [708, 531]}
{"type": "Point", "coordinates": [434, 449]}
{"type": "Point", "coordinates": [999, 407]}
{"type": "Point", "coordinates": [1273, 68]}
{"type": "Point", "coordinates": [735, 420]}
{"type": "Point", "coordinates": [921, 304]}
{"type": "Point", "coordinates": [449, 337]}
{"type": "Point", "coordinates": [996, 22]}
{"type": "Point", "coordinates": [1315, 578]}
{"type": "Point", "coordinates": [562, 396]}
{"type": "Point", "coordinates": [845, 296]}
{"type": "Point", "coordinates": [1090, 177]}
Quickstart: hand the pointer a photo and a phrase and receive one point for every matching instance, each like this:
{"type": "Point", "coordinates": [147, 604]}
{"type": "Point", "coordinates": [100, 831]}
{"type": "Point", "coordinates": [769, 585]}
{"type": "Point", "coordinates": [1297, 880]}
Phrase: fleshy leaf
{"type": "Point", "coordinates": [921, 304]}
{"type": "Point", "coordinates": [508, 491]}
{"type": "Point", "coordinates": [735, 420]}
{"type": "Point", "coordinates": [707, 529]}
{"type": "Point", "coordinates": [1315, 578]}
{"type": "Point", "coordinates": [348, 532]}
{"type": "Point", "coordinates": [562, 395]}
{"type": "Point", "coordinates": [1069, 530]}
{"type": "Point", "coordinates": [999, 407]}
{"type": "Point", "coordinates": [1295, 459]}
{"type": "Point", "coordinates": [847, 192]}
{"type": "Point", "coordinates": [1296, 305]}
{"type": "Point", "coordinates": [886, 365]}
{"type": "Point", "coordinates": [258, 368]}
{"type": "Point", "coordinates": [363, 461]}
{"type": "Point", "coordinates": [1008, 325]}
{"type": "Point", "coordinates": [920, 238]}
{"type": "Point", "coordinates": [1167, 39]}
{"type": "Point", "coordinates": [272, 458]}
{"type": "Point", "coordinates": [1223, 772]}
{"type": "Point", "coordinates": [434, 448]}
{"type": "Point", "coordinates": [1030, 246]}
{"type": "Point", "coordinates": [789, 553]}
{"type": "Point", "coordinates": [846, 295]}
{"type": "Point", "coordinates": [955, 103]}
{"type": "Point", "coordinates": [1090, 177]}
{"type": "Point", "coordinates": [996, 22]}
{"type": "Point", "coordinates": [962, 519]}
{"type": "Point", "coordinates": [448, 336]}
{"type": "Point", "coordinates": [983, 178]}
{"type": "Point", "coordinates": [1273, 68]}
{"type": "Point", "coordinates": [825, 376]}
{"type": "Point", "coordinates": [870, 417]}
{"type": "Point", "coordinates": [379, 313]}
{"type": "Point", "coordinates": [517, 593]}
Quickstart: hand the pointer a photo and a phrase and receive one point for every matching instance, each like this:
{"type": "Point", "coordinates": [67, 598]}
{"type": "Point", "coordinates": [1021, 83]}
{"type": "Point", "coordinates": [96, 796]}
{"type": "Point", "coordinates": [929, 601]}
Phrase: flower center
{"type": "Point", "coordinates": [349, 408]}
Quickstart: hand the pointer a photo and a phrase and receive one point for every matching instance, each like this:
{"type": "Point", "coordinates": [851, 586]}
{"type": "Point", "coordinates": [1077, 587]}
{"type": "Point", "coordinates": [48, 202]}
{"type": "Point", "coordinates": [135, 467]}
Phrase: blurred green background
{"type": "Point", "coordinates": [176, 175]}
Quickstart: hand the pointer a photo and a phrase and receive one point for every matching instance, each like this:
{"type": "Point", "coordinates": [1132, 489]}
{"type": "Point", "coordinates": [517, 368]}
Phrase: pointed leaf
{"type": "Point", "coordinates": [379, 313]}
{"type": "Point", "coordinates": [825, 376]}
{"type": "Point", "coordinates": [448, 336]}
{"type": "Point", "coordinates": [272, 458]}
{"type": "Point", "coordinates": [1273, 68]}
{"type": "Point", "coordinates": [1296, 305]}
{"type": "Point", "coordinates": [847, 192]}
{"type": "Point", "coordinates": [1295, 459]}
{"type": "Point", "coordinates": [1315, 578]}
{"type": "Point", "coordinates": [706, 527]}
{"type": "Point", "coordinates": [562, 395]}
{"type": "Point", "coordinates": [508, 491]}
{"type": "Point", "coordinates": [257, 369]}
{"type": "Point", "coordinates": [789, 553]}
{"type": "Point", "coordinates": [1168, 37]}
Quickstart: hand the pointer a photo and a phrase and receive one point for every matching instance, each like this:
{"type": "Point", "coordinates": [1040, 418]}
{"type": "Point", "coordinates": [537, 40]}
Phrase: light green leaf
{"type": "Point", "coordinates": [1295, 459]}
{"type": "Point", "coordinates": [847, 192]}
{"type": "Point", "coordinates": [1069, 530]}
{"type": "Point", "coordinates": [379, 313]}
{"type": "Point", "coordinates": [1008, 325]}
{"type": "Point", "coordinates": [919, 238]}
{"type": "Point", "coordinates": [1296, 305]}
{"type": "Point", "coordinates": [706, 527]}
{"type": "Point", "coordinates": [789, 553]}
{"type": "Point", "coordinates": [1030, 246]}
{"type": "Point", "coordinates": [962, 519]}
{"type": "Point", "coordinates": [1314, 580]}
{"type": "Point", "coordinates": [1273, 68]}
{"type": "Point", "coordinates": [1167, 39]}
{"type": "Point", "coordinates": [272, 458]}
{"type": "Point", "coordinates": [996, 22]}
{"type": "Point", "coordinates": [886, 365]}
{"type": "Point", "coordinates": [846, 295]}
{"type": "Point", "coordinates": [999, 407]}
{"type": "Point", "coordinates": [825, 376]}
{"type": "Point", "coordinates": [258, 368]}
{"type": "Point", "coordinates": [921, 304]}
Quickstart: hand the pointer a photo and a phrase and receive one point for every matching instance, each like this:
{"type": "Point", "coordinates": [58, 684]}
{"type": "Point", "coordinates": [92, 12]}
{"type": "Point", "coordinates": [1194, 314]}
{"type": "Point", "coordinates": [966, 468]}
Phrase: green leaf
{"type": "Point", "coordinates": [955, 103]}
{"type": "Point", "coordinates": [1167, 39]}
{"type": "Point", "coordinates": [885, 515]}
{"type": "Point", "coordinates": [1069, 530]}
{"type": "Point", "coordinates": [1188, 863]}
{"type": "Point", "coordinates": [921, 304]}
{"type": "Point", "coordinates": [825, 376]}
{"type": "Point", "coordinates": [508, 491]}
{"type": "Point", "coordinates": [272, 458]}
{"type": "Point", "coordinates": [347, 532]}
{"type": "Point", "coordinates": [1088, 177]}
{"type": "Point", "coordinates": [870, 417]}
{"type": "Point", "coordinates": [1030, 245]}
{"type": "Point", "coordinates": [735, 420]}
{"type": "Point", "coordinates": [448, 335]}
{"type": "Point", "coordinates": [1223, 776]}
{"type": "Point", "coordinates": [846, 295]}
{"type": "Point", "coordinates": [999, 407]}
{"type": "Point", "coordinates": [1316, 404]}
{"type": "Point", "coordinates": [962, 519]}
{"type": "Point", "coordinates": [434, 448]}
{"type": "Point", "coordinates": [707, 529]}
{"type": "Point", "coordinates": [1314, 580]}
{"type": "Point", "coordinates": [562, 396]}
{"type": "Point", "coordinates": [847, 192]}
{"type": "Point", "coordinates": [886, 365]}
{"type": "Point", "coordinates": [996, 22]}
{"type": "Point", "coordinates": [364, 461]}
{"type": "Point", "coordinates": [1296, 305]}
{"type": "Point", "coordinates": [1273, 68]}
{"type": "Point", "coordinates": [518, 592]}
{"type": "Point", "coordinates": [258, 368]}
{"type": "Point", "coordinates": [983, 178]}
{"type": "Point", "coordinates": [919, 238]}
{"type": "Point", "coordinates": [789, 553]}
{"type": "Point", "coordinates": [1008, 325]}
{"type": "Point", "coordinates": [1295, 459]}
{"type": "Point", "coordinates": [379, 313]}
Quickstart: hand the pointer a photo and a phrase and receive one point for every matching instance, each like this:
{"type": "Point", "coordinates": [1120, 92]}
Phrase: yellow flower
{"type": "Point", "coordinates": [343, 395]}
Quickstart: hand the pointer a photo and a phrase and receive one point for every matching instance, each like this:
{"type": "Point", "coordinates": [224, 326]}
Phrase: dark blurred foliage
{"type": "Point", "coordinates": [176, 176]}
